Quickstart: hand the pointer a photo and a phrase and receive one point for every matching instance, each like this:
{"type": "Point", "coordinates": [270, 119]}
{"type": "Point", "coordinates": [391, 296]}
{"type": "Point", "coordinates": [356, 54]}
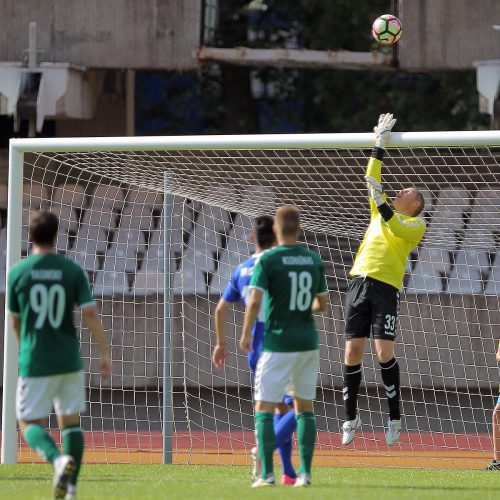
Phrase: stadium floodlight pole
{"type": "Point", "coordinates": [14, 224]}
{"type": "Point", "coordinates": [167, 418]}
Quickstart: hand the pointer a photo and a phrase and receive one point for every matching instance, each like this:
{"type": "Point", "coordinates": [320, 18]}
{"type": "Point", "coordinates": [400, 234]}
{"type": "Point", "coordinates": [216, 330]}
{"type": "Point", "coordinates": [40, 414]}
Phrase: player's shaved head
{"type": "Point", "coordinates": [263, 231]}
{"type": "Point", "coordinates": [288, 220]}
{"type": "Point", "coordinates": [43, 228]}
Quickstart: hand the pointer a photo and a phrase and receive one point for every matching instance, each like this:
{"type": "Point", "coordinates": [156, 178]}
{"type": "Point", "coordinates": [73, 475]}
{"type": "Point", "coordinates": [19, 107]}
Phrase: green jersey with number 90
{"type": "Point", "coordinates": [43, 290]}
{"type": "Point", "coordinates": [291, 276]}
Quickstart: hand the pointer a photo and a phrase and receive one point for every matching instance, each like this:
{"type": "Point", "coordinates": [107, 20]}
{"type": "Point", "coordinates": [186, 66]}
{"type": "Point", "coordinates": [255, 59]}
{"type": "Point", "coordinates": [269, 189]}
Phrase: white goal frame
{"type": "Point", "coordinates": [18, 147]}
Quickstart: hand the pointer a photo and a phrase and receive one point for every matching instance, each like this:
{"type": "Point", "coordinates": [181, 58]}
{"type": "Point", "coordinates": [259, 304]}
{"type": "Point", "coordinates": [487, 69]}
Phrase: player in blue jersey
{"type": "Point", "coordinates": [236, 291]}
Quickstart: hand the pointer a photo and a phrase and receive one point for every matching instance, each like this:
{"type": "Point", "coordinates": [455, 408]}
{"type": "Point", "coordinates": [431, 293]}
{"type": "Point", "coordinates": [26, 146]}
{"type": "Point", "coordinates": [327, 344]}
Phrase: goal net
{"type": "Point", "coordinates": [160, 223]}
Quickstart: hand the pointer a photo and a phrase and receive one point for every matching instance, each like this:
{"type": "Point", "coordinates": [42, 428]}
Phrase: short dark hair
{"type": "Point", "coordinates": [263, 231]}
{"type": "Point", "coordinates": [43, 228]}
{"type": "Point", "coordinates": [421, 202]}
{"type": "Point", "coordinates": [288, 219]}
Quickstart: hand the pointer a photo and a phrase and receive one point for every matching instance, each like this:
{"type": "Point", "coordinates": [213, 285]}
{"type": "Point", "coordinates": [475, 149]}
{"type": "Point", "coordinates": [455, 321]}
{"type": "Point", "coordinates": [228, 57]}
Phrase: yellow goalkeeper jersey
{"type": "Point", "coordinates": [384, 251]}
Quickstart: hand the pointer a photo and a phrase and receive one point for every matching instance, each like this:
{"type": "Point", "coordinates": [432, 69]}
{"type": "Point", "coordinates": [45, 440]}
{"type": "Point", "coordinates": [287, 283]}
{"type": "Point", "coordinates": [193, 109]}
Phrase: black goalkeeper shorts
{"type": "Point", "coordinates": [372, 306]}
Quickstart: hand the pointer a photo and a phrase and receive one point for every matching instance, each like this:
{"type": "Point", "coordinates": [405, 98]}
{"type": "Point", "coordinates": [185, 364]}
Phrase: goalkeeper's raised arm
{"type": "Point", "coordinates": [377, 275]}
{"type": "Point", "coordinates": [394, 231]}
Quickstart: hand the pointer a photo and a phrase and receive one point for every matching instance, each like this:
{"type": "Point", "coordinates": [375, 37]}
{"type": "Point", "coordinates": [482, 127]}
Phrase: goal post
{"type": "Point", "coordinates": [13, 254]}
{"type": "Point", "coordinates": [160, 222]}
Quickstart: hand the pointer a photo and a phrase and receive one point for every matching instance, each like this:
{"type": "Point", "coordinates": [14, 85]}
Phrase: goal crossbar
{"type": "Point", "coordinates": [263, 141]}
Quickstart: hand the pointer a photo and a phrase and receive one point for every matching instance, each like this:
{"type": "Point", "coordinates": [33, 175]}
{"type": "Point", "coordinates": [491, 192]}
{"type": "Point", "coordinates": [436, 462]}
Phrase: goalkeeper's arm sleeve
{"type": "Point", "coordinates": [374, 169]}
{"type": "Point", "coordinates": [412, 228]}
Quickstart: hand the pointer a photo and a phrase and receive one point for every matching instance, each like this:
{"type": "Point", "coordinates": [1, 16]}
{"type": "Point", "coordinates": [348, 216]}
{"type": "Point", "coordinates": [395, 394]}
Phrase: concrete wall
{"type": "Point", "coordinates": [448, 34]}
{"type": "Point", "coordinates": [444, 342]}
{"type": "Point", "coordinates": [148, 34]}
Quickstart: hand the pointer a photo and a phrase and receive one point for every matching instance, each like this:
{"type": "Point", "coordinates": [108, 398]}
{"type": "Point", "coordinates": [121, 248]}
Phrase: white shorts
{"type": "Point", "coordinates": [36, 396]}
{"type": "Point", "coordinates": [284, 372]}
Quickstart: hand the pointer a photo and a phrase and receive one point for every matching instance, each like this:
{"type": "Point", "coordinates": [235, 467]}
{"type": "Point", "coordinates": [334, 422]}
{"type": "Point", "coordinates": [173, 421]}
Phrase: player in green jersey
{"type": "Point", "coordinates": [495, 463]}
{"type": "Point", "coordinates": [42, 292]}
{"type": "Point", "coordinates": [373, 293]}
{"type": "Point", "coordinates": [292, 280]}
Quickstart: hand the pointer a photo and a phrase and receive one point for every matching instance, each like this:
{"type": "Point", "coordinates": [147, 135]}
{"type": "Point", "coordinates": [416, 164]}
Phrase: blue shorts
{"type": "Point", "coordinates": [253, 358]}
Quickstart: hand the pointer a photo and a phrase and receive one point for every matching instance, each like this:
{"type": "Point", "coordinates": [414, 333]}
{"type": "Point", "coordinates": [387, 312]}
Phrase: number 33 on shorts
{"type": "Point", "coordinates": [390, 325]}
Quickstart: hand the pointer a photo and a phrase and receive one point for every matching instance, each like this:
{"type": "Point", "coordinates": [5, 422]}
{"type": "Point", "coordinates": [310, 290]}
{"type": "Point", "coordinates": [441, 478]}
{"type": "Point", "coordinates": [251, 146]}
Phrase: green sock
{"type": "Point", "coordinates": [72, 444]}
{"type": "Point", "coordinates": [264, 432]}
{"type": "Point", "coordinates": [39, 440]}
{"type": "Point", "coordinates": [306, 437]}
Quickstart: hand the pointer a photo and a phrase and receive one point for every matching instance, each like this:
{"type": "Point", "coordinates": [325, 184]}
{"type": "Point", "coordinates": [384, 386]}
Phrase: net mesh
{"type": "Point", "coordinates": [111, 211]}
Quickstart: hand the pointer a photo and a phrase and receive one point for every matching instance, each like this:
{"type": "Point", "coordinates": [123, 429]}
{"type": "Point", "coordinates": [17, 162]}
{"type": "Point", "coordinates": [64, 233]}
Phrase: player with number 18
{"type": "Point", "coordinates": [293, 281]}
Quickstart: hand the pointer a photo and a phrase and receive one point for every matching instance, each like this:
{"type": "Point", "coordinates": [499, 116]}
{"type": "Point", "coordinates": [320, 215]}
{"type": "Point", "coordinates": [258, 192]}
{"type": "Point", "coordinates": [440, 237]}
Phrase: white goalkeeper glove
{"type": "Point", "coordinates": [383, 129]}
{"type": "Point", "coordinates": [375, 190]}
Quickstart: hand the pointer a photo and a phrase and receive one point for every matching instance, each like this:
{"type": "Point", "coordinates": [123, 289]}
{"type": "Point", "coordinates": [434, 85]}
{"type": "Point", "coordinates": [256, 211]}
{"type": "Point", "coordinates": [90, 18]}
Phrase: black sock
{"type": "Point", "coordinates": [390, 376]}
{"type": "Point", "coordinates": [352, 380]}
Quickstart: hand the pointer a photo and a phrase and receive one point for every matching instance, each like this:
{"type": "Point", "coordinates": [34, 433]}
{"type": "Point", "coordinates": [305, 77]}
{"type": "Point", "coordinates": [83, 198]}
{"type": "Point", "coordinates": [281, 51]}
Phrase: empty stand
{"type": "Point", "coordinates": [448, 218]}
{"type": "Point", "coordinates": [67, 203]}
{"type": "Point", "coordinates": [109, 282]}
{"type": "Point", "coordinates": [445, 232]}
{"type": "Point", "coordinates": [472, 261]}
{"type": "Point", "coordinates": [34, 198]}
{"type": "Point", "coordinates": [238, 248]}
{"type": "Point", "coordinates": [492, 286]}
{"type": "Point", "coordinates": [467, 274]}
{"type": "Point", "coordinates": [429, 274]}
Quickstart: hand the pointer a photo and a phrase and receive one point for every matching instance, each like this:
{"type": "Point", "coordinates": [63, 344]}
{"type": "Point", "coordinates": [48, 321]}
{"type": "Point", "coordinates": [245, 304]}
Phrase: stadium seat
{"type": "Point", "coordinates": [103, 218]}
{"type": "Point", "coordinates": [242, 227]}
{"type": "Point", "coordinates": [203, 249]}
{"type": "Point", "coordinates": [91, 239]}
{"type": "Point", "coordinates": [148, 283]}
{"type": "Point", "coordinates": [492, 286]}
{"type": "Point", "coordinates": [136, 217]}
{"type": "Point", "coordinates": [427, 276]}
{"type": "Point", "coordinates": [108, 283]}
{"type": "Point", "coordinates": [106, 203]}
{"type": "Point", "coordinates": [68, 218]}
{"type": "Point", "coordinates": [34, 196]}
{"type": "Point", "coordinates": [189, 280]}
{"type": "Point", "coordinates": [69, 194]}
{"type": "Point", "coordinates": [124, 252]}
{"type": "Point", "coordinates": [484, 221]}
{"type": "Point", "coordinates": [140, 203]}
{"type": "Point", "coordinates": [448, 221]}
{"type": "Point", "coordinates": [466, 275]}
{"type": "Point", "coordinates": [238, 248]}
{"type": "Point", "coordinates": [89, 261]}
{"type": "Point", "coordinates": [214, 219]}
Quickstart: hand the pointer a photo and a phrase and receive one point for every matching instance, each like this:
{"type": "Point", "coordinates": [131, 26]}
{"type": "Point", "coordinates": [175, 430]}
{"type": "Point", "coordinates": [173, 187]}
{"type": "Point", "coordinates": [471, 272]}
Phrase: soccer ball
{"type": "Point", "coordinates": [387, 29]}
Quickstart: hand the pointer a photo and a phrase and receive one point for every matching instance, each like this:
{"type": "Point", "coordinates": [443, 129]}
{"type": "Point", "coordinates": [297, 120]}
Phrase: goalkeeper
{"type": "Point", "coordinates": [373, 292]}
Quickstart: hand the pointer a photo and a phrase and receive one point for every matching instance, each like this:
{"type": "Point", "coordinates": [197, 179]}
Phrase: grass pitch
{"type": "Point", "coordinates": [225, 482]}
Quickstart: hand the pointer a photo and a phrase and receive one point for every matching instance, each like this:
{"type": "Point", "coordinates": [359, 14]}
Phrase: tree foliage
{"type": "Point", "coordinates": [220, 99]}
